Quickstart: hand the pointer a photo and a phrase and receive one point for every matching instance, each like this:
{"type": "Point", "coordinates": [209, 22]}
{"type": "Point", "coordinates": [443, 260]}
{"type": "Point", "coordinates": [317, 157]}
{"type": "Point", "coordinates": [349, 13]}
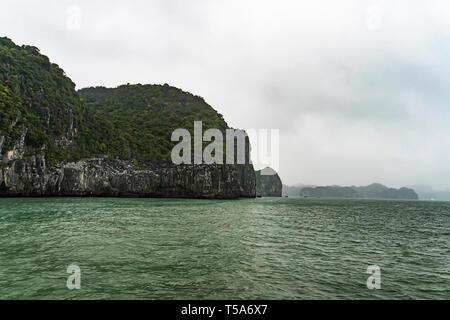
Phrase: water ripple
{"type": "Point", "coordinates": [205, 249]}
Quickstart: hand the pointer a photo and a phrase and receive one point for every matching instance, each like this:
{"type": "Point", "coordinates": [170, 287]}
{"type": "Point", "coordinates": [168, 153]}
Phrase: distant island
{"type": "Point", "coordinates": [373, 191]}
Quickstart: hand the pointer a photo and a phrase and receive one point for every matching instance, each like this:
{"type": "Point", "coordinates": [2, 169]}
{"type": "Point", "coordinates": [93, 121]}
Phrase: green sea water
{"type": "Point", "coordinates": [269, 248]}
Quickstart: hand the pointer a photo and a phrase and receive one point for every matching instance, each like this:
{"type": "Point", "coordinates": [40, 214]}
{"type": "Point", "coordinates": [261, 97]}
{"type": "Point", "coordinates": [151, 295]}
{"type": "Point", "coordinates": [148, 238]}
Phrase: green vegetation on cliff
{"type": "Point", "coordinates": [39, 103]}
{"type": "Point", "coordinates": [33, 92]}
{"type": "Point", "coordinates": [146, 116]}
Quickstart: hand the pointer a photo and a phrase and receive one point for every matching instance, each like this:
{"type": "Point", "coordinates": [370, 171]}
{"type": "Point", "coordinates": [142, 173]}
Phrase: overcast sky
{"type": "Point", "coordinates": [358, 89]}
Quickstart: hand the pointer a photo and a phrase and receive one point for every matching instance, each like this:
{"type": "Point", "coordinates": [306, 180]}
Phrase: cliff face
{"type": "Point", "coordinates": [268, 183]}
{"type": "Point", "coordinates": [116, 143]}
{"type": "Point", "coordinates": [105, 177]}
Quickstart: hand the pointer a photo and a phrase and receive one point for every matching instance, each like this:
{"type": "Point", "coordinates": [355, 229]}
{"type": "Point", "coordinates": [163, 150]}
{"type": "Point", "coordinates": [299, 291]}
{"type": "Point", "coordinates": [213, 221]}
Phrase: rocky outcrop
{"type": "Point", "coordinates": [24, 171]}
{"type": "Point", "coordinates": [268, 183]}
{"type": "Point", "coordinates": [107, 177]}
{"type": "Point", "coordinates": [54, 143]}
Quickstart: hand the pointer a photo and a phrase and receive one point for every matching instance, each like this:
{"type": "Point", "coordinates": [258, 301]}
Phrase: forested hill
{"type": "Point", "coordinates": [146, 116]}
{"type": "Point", "coordinates": [38, 103]}
{"type": "Point", "coordinates": [42, 113]}
{"type": "Point", "coordinates": [373, 191]}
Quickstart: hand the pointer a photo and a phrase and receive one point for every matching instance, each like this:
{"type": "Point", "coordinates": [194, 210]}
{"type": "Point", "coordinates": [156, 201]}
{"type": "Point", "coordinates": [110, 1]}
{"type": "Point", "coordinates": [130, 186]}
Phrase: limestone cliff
{"type": "Point", "coordinates": [268, 183]}
{"type": "Point", "coordinates": [106, 142]}
{"type": "Point", "coordinates": [108, 177]}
